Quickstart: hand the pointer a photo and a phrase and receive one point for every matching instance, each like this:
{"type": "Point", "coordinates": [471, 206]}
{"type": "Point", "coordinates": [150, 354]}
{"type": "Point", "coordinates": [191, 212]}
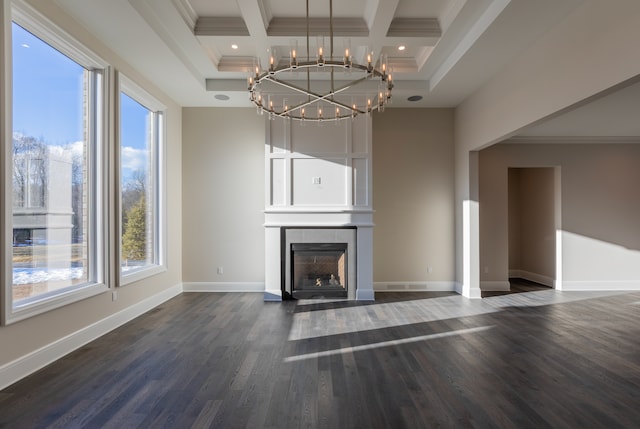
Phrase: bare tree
{"type": "Point", "coordinates": [30, 173]}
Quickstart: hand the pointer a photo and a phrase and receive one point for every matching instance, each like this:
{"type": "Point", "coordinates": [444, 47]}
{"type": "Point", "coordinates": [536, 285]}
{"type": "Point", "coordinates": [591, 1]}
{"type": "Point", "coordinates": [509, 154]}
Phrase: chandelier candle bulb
{"type": "Point", "coordinates": [272, 60]}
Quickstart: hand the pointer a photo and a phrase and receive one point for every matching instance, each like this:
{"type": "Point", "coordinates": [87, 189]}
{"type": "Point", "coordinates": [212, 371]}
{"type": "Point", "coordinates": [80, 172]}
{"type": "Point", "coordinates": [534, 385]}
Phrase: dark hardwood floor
{"type": "Point", "coordinates": [536, 359]}
{"type": "Point", "coordinates": [517, 285]}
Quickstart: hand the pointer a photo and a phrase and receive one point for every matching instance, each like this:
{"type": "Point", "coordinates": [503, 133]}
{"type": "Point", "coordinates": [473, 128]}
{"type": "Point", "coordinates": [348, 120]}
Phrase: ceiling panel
{"type": "Point", "coordinates": [422, 8]}
{"type": "Point", "coordinates": [317, 8]}
{"type": "Point", "coordinates": [215, 7]}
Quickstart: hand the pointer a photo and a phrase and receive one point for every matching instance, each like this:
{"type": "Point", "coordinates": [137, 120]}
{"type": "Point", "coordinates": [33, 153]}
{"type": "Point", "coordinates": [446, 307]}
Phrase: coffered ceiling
{"type": "Point", "coordinates": [452, 47]}
{"type": "Point", "coordinates": [185, 47]}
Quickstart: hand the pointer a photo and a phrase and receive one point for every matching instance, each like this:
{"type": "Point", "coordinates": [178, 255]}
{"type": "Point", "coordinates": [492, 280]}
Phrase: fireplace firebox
{"type": "Point", "coordinates": [319, 270]}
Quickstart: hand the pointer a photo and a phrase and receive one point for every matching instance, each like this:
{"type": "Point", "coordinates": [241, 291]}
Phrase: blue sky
{"type": "Point", "coordinates": [44, 80]}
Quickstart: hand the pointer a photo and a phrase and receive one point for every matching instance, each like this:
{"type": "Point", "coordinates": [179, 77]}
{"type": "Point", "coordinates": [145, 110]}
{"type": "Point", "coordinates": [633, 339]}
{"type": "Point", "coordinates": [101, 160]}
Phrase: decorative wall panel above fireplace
{"type": "Point", "coordinates": [318, 166]}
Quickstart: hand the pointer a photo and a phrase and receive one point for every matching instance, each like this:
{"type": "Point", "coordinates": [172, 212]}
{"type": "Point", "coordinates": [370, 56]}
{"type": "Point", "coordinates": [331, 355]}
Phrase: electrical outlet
{"type": "Point", "coordinates": [220, 270]}
{"type": "Point", "coordinates": [430, 269]}
{"type": "Point", "coordinates": [486, 270]}
{"type": "Point", "coordinates": [114, 296]}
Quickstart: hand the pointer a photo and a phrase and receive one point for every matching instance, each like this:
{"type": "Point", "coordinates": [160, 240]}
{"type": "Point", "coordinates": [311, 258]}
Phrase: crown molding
{"type": "Point", "coordinates": [235, 64]}
{"type": "Point", "coordinates": [403, 64]}
{"type": "Point", "coordinates": [573, 140]}
{"type": "Point", "coordinates": [342, 27]}
{"type": "Point", "coordinates": [187, 12]}
{"type": "Point", "coordinates": [220, 26]}
{"type": "Point", "coordinates": [414, 27]}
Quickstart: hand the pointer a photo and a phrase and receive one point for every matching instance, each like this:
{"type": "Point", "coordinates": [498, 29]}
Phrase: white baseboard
{"type": "Point", "coordinates": [534, 277]}
{"type": "Point", "coordinates": [495, 286]}
{"type": "Point", "coordinates": [30, 363]}
{"type": "Point", "coordinates": [365, 295]}
{"type": "Point", "coordinates": [600, 285]}
{"type": "Point", "coordinates": [457, 288]}
{"type": "Point", "coordinates": [414, 286]}
{"type": "Point", "coordinates": [223, 287]}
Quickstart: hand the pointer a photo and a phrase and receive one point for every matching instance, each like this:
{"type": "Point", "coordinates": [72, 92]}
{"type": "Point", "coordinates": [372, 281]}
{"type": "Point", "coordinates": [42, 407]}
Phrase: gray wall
{"type": "Point", "coordinates": [223, 196]}
{"type": "Point", "coordinates": [413, 196]}
{"type": "Point", "coordinates": [598, 238]}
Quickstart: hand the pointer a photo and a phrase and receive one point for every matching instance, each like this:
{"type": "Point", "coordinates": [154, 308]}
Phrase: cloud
{"type": "Point", "coordinates": [132, 159]}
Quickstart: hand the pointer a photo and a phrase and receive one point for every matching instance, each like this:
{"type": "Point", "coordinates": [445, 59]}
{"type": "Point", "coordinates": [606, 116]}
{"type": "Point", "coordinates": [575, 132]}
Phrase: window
{"type": "Point", "coordinates": [141, 132]}
{"type": "Point", "coordinates": [55, 162]}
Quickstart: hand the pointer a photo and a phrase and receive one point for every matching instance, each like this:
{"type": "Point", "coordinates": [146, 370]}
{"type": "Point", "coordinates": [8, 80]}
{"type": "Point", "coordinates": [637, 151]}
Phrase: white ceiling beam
{"type": "Point", "coordinates": [471, 37]}
{"type": "Point", "coordinates": [255, 17]}
{"type": "Point", "coordinates": [176, 40]}
{"type": "Point", "coordinates": [379, 17]}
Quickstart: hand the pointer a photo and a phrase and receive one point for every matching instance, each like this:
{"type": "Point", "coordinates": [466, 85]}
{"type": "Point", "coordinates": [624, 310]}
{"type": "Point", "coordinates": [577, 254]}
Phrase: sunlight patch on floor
{"type": "Point", "coordinates": [545, 297]}
{"type": "Point", "coordinates": [389, 343]}
{"type": "Point", "coordinates": [345, 320]}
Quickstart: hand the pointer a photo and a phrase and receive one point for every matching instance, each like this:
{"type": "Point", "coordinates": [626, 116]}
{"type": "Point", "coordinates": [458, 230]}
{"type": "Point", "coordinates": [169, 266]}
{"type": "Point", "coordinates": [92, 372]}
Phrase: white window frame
{"type": "Point", "coordinates": [24, 15]}
{"type": "Point", "coordinates": [158, 176]}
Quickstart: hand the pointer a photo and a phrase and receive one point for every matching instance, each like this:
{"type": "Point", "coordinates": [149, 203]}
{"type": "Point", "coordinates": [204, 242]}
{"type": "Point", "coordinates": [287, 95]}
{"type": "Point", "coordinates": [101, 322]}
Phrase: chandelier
{"type": "Point", "coordinates": [320, 87]}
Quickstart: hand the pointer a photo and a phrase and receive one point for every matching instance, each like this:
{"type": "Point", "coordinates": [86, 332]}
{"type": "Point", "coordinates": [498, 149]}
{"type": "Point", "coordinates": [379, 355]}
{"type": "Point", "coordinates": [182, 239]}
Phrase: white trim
{"type": "Point", "coordinates": [40, 26]}
{"type": "Point", "coordinates": [139, 94]}
{"type": "Point", "coordinates": [6, 206]}
{"type": "Point", "coordinates": [604, 285]}
{"type": "Point", "coordinates": [271, 296]}
{"type": "Point", "coordinates": [495, 286]}
{"type": "Point", "coordinates": [96, 165]}
{"type": "Point", "coordinates": [365, 295]}
{"type": "Point", "coordinates": [572, 140]}
{"type": "Point", "coordinates": [142, 273]}
{"type": "Point", "coordinates": [223, 287]}
{"type": "Point", "coordinates": [425, 286]}
{"type": "Point", "coordinates": [48, 302]}
{"type": "Point", "coordinates": [457, 288]}
{"type": "Point", "coordinates": [30, 363]}
{"type": "Point", "coordinates": [187, 13]}
{"type": "Point", "coordinates": [134, 91]}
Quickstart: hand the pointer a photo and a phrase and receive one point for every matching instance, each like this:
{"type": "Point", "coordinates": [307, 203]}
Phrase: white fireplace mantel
{"type": "Point", "coordinates": [318, 177]}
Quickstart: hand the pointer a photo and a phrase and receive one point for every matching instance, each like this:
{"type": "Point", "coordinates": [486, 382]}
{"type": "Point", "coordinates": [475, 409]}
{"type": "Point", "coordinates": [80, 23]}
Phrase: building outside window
{"type": "Point", "coordinates": [55, 167]}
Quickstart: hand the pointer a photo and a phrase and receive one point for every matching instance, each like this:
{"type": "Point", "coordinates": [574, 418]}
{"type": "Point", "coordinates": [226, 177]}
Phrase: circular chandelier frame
{"type": "Point", "coordinates": [262, 99]}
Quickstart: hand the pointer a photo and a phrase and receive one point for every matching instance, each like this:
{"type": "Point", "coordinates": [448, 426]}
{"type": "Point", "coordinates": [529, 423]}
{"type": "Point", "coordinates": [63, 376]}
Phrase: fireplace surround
{"type": "Point", "coordinates": [321, 253]}
{"type": "Point", "coordinates": [282, 232]}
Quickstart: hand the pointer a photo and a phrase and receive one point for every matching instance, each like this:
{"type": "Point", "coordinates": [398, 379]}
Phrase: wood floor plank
{"type": "Point", "coordinates": [539, 358]}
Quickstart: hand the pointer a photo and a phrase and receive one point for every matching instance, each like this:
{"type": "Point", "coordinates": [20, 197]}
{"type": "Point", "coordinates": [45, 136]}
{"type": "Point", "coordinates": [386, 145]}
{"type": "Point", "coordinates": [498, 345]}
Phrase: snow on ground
{"type": "Point", "coordinates": [24, 276]}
